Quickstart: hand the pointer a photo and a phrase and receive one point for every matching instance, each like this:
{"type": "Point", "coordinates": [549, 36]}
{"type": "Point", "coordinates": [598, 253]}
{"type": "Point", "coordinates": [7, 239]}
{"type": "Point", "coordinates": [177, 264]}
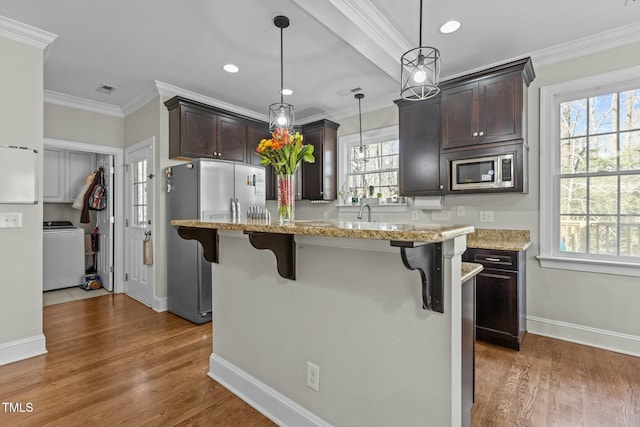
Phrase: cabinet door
{"type": "Point", "coordinates": [79, 166]}
{"type": "Point", "coordinates": [500, 108]}
{"type": "Point", "coordinates": [496, 301]}
{"type": "Point", "coordinates": [419, 130]}
{"type": "Point", "coordinates": [199, 132]}
{"type": "Point", "coordinates": [53, 179]}
{"type": "Point", "coordinates": [232, 139]}
{"type": "Point", "coordinates": [312, 172]}
{"type": "Point", "coordinates": [459, 115]}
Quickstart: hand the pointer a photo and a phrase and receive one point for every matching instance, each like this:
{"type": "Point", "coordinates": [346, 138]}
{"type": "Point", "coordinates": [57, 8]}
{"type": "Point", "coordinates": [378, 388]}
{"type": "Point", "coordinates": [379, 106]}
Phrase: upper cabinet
{"type": "Point", "coordinates": [319, 180]}
{"type": "Point", "coordinates": [197, 130]}
{"type": "Point", "coordinates": [419, 132]}
{"type": "Point", "coordinates": [486, 107]}
{"type": "Point", "coordinates": [65, 173]}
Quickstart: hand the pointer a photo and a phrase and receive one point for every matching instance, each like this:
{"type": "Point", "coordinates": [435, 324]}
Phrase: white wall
{"type": "Point", "coordinates": [21, 123]}
{"type": "Point", "coordinates": [73, 124]}
{"type": "Point", "coordinates": [597, 309]}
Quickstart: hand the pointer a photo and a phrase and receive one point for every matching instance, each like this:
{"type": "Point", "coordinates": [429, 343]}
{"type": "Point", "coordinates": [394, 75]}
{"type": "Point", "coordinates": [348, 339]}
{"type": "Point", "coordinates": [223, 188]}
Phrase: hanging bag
{"type": "Point", "coordinates": [98, 198]}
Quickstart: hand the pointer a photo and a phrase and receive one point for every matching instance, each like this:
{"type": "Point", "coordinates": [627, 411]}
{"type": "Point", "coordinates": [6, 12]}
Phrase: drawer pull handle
{"type": "Point", "coordinates": [493, 259]}
{"type": "Point", "coordinates": [495, 276]}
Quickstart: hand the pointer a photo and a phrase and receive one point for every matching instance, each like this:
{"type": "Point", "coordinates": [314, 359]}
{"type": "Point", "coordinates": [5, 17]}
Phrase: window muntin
{"type": "Point", "coordinates": [380, 169]}
{"type": "Point", "coordinates": [139, 183]}
{"type": "Point", "coordinates": [599, 176]}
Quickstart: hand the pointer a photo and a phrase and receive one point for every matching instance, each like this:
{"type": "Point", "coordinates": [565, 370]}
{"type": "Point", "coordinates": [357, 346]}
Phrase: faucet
{"type": "Point", "coordinates": [368, 214]}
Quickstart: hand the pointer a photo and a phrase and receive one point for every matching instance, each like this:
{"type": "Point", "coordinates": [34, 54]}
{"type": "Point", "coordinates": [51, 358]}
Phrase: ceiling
{"type": "Point", "coordinates": [331, 46]}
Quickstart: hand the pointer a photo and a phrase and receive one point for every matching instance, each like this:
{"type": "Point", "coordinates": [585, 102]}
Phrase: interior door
{"type": "Point", "coordinates": [105, 224]}
{"type": "Point", "coordinates": [139, 167]}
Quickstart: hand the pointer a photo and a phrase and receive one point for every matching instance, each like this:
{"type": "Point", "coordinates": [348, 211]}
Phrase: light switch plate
{"type": "Point", "coordinates": [486, 216]}
{"type": "Point", "coordinates": [11, 220]}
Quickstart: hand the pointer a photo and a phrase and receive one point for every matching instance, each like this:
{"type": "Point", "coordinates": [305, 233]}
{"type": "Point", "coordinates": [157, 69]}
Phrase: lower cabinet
{"type": "Point", "coordinates": [500, 296]}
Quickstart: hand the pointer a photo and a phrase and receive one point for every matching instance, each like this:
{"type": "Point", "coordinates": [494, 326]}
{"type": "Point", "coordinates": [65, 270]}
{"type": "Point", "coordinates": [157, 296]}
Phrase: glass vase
{"type": "Point", "coordinates": [286, 199]}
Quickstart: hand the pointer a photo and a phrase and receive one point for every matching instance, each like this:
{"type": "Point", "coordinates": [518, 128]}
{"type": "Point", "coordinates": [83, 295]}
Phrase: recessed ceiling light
{"type": "Point", "coordinates": [230, 68]}
{"type": "Point", "coordinates": [287, 92]}
{"type": "Point", "coordinates": [450, 27]}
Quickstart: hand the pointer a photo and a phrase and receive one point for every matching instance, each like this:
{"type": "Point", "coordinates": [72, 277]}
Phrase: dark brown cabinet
{"type": "Point", "coordinates": [199, 130]}
{"type": "Point", "coordinates": [231, 141]}
{"type": "Point", "coordinates": [419, 150]}
{"type": "Point", "coordinates": [486, 107]}
{"type": "Point", "coordinates": [319, 179]}
{"type": "Point", "coordinates": [500, 296]}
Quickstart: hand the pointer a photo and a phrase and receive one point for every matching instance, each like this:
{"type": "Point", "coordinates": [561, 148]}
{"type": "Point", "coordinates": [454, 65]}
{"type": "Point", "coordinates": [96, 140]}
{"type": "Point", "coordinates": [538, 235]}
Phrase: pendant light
{"type": "Point", "coordinates": [361, 157]}
{"type": "Point", "coordinates": [420, 71]}
{"type": "Point", "coordinates": [281, 114]}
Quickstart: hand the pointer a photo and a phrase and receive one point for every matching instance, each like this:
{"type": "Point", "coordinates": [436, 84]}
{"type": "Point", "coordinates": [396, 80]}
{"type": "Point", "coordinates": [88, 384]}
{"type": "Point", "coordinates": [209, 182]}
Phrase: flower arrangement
{"type": "Point", "coordinates": [285, 152]}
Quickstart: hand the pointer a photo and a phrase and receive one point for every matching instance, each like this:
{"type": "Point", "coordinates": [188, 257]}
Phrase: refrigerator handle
{"type": "Point", "coordinates": [233, 210]}
{"type": "Point", "coordinates": [238, 211]}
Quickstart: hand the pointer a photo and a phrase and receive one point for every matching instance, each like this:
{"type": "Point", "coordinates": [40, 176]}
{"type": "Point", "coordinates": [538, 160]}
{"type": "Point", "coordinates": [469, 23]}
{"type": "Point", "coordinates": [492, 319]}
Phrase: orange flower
{"type": "Point", "coordinates": [285, 152]}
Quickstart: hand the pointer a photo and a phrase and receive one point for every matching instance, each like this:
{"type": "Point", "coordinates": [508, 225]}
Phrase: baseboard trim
{"type": "Point", "coordinates": [160, 304]}
{"type": "Point", "coordinates": [600, 338]}
{"type": "Point", "coordinates": [22, 349]}
{"type": "Point", "coordinates": [273, 405]}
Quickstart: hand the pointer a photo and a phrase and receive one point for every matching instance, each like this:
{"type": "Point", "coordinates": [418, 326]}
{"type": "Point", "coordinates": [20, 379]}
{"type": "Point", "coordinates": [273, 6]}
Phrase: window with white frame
{"type": "Point", "coordinates": [590, 174]}
{"type": "Point", "coordinates": [372, 170]}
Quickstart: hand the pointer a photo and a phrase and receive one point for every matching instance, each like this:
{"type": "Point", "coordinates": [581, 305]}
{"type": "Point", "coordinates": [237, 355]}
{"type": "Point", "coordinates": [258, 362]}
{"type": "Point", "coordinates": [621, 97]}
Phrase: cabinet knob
{"type": "Point", "coordinates": [481, 133]}
{"type": "Point", "coordinates": [475, 134]}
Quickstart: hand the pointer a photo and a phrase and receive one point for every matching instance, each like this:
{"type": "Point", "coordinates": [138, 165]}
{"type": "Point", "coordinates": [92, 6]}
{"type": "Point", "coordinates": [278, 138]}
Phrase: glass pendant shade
{"type": "Point", "coordinates": [281, 117]}
{"type": "Point", "coordinates": [420, 71]}
{"type": "Point", "coordinates": [280, 113]}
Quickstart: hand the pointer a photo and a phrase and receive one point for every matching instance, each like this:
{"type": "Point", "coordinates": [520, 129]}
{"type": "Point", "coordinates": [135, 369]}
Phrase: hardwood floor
{"type": "Point", "coordinates": [113, 361]}
{"type": "Point", "coordinates": [555, 383]}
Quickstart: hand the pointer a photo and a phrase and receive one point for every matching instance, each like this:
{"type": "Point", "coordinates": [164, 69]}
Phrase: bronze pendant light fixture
{"type": "Point", "coordinates": [361, 156]}
{"type": "Point", "coordinates": [281, 114]}
{"type": "Point", "coordinates": [420, 71]}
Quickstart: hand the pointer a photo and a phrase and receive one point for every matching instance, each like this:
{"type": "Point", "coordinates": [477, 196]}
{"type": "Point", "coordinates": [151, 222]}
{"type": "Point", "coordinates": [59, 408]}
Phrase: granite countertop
{"type": "Point", "coordinates": [506, 240]}
{"type": "Point", "coordinates": [346, 229]}
{"type": "Point", "coordinates": [469, 270]}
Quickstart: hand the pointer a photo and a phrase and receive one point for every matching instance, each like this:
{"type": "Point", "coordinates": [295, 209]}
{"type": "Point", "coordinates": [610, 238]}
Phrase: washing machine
{"type": "Point", "coordinates": [63, 255]}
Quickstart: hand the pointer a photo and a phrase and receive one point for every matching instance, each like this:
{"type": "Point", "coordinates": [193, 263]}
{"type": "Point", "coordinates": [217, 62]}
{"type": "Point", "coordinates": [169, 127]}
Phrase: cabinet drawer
{"type": "Point", "coordinates": [490, 258]}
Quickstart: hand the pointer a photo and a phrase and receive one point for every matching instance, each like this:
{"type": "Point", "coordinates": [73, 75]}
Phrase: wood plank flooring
{"type": "Point", "coordinates": [113, 361]}
{"type": "Point", "coordinates": [555, 383]}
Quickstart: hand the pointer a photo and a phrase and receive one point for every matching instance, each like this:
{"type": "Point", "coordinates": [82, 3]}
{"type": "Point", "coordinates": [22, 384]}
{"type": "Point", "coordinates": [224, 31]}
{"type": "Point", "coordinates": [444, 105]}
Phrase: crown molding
{"type": "Point", "coordinates": [362, 26]}
{"type": "Point", "coordinates": [140, 100]}
{"type": "Point", "coordinates": [587, 45]}
{"type": "Point", "coordinates": [82, 104]}
{"type": "Point", "coordinates": [165, 89]}
{"type": "Point", "coordinates": [26, 34]}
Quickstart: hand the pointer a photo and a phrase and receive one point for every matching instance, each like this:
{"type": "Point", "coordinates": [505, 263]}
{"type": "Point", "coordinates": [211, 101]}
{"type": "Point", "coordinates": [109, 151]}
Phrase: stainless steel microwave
{"type": "Point", "coordinates": [484, 172]}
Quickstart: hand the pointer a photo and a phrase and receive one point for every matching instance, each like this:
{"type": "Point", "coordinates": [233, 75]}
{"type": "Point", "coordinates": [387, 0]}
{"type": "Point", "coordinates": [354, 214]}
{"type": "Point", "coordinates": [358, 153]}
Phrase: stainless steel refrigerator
{"type": "Point", "coordinates": [205, 189]}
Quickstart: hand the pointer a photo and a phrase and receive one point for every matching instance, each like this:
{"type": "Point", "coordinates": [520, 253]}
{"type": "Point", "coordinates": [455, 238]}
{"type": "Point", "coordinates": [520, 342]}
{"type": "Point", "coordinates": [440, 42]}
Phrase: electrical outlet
{"type": "Point", "coordinates": [415, 215]}
{"type": "Point", "coordinates": [11, 220]}
{"type": "Point", "coordinates": [441, 216]}
{"type": "Point", "coordinates": [460, 211]}
{"type": "Point", "coordinates": [486, 216]}
{"type": "Point", "coordinates": [313, 376]}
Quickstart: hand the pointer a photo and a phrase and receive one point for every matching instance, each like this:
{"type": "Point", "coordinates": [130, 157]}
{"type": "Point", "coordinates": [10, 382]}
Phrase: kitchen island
{"type": "Point", "coordinates": [376, 306]}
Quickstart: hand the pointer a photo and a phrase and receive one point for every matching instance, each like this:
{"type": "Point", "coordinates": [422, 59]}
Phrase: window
{"type": "Point", "coordinates": [379, 171]}
{"type": "Point", "coordinates": [590, 175]}
{"type": "Point", "coordinates": [139, 193]}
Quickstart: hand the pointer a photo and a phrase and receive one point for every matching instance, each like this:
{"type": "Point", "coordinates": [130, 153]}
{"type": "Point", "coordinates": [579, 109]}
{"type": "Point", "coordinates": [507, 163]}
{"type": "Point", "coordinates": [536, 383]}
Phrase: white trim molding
{"type": "Point", "coordinates": [23, 33]}
{"type": "Point", "coordinates": [550, 98]}
{"type": "Point", "coordinates": [22, 349]}
{"type": "Point", "coordinates": [159, 304]}
{"type": "Point", "coordinates": [272, 404]}
{"type": "Point", "coordinates": [165, 89]}
{"type": "Point", "coordinates": [64, 100]}
{"type": "Point", "coordinates": [593, 337]}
